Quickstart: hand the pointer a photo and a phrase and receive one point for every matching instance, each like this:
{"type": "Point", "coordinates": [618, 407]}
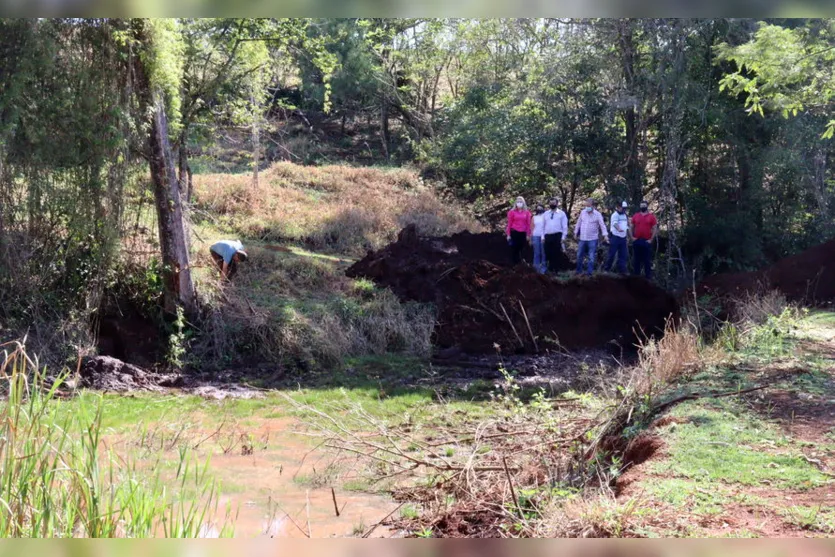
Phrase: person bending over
{"type": "Point", "coordinates": [226, 255]}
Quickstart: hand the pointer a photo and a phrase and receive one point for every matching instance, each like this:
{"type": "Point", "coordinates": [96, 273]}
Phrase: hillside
{"type": "Point", "coordinates": [337, 209]}
{"type": "Point", "coordinates": [290, 307]}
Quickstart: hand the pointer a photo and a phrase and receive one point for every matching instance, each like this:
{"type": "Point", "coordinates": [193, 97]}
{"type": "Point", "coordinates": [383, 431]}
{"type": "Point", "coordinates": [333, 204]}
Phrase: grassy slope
{"type": "Point", "coordinates": [760, 464]}
{"type": "Point", "coordinates": [291, 303]}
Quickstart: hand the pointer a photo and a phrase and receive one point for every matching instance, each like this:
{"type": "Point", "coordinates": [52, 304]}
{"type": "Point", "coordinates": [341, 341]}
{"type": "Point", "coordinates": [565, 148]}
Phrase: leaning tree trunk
{"type": "Point", "coordinates": [179, 287]}
{"type": "Point", "coordinates": [184, 169]}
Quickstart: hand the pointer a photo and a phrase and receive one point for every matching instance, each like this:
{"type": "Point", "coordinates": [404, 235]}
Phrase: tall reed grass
{"type": "Point", "coordinates": [59, 479]}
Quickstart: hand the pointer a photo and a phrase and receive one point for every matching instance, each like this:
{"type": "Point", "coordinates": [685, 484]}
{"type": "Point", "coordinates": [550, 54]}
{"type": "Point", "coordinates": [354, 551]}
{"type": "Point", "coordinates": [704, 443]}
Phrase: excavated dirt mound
{"type": "Point", "coordinates": [807, 277]}
{"type": "Point", "coordinates": [482, 304]}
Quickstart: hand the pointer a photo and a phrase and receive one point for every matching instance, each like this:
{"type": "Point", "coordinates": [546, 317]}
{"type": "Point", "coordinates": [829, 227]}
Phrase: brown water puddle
{"type": "Point", "coordinates": [283, 488]}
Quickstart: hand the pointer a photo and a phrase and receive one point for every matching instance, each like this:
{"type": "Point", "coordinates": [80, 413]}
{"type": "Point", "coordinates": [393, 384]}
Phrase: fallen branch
{"type": "Point", "coordinates": [509, 322]}
{"type": "Point", "coordinates": [335, 504]}
{"type": "Point", "coordinates": [695, 396]}
{"type": "Point", "coordinates": [528, 323]}
{"type": "Point", "coordinates": [374, 527]}
{"type": "Point", "coordinates": [512, 490]}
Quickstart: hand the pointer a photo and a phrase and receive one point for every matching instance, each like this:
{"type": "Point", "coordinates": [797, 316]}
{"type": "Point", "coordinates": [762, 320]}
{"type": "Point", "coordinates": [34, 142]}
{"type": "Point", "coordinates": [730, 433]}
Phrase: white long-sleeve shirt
{"type": "Point", "coordinates": [556, 222]}
{"type": "Point", "coordinates": [538, 225]}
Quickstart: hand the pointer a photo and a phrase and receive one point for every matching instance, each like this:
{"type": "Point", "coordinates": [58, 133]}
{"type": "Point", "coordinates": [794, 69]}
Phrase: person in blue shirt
{"type": "Point", "coordinates": [226, 255]}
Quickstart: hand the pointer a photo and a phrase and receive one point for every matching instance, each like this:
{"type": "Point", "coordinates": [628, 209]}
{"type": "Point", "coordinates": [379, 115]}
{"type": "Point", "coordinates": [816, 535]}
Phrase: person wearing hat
{"type": "Point", "coordinates": [644, 229]}
{"type": "Point", "coordinates": [619, 228]}
{"type": "Point", "coordinates": [226, 255]}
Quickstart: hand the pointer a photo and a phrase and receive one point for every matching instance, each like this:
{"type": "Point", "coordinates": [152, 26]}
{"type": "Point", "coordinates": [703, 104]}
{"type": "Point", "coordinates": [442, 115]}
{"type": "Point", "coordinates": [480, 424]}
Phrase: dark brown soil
{"type": "Point", "coordinates": [104, 373]}
{"type": "Point", "coordinates": [641, 449]}
{"type": "Point", "coordinates": [483, 302]}
{"type": "Point", "coordinates": [110, 374]}
{"type": "Point", "coordinates": [128, 336]}
{"type": "Point", "coordinates": [807, 277]}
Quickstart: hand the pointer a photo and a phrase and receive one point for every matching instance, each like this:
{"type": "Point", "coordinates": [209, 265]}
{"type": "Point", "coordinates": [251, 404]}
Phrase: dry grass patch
{"type": "Point", "coordinates": [336, 208]}
{"type": "Point", "coordinates": [284, 307]}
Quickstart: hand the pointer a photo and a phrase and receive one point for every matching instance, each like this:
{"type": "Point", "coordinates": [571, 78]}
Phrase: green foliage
{"type": "Point", "coordinates": [163, 57]}
{"type": "Point", "coordinates": [785, 70]}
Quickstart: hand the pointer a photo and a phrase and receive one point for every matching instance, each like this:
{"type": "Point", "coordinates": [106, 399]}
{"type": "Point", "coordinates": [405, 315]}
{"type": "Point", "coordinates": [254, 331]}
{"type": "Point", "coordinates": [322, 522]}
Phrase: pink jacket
{"type": "Point", "coordinates": [519, 221]}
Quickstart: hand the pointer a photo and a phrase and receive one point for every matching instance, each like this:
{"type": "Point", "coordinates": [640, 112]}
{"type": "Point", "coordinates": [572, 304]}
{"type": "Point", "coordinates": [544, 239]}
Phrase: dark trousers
{"type": "Point", "coordinates": [617, 248]}
{"type": "Point", "coordinates": [517, 245]}
{"type": "Point", "coordinates": [233, 265]}
{"type": "Point", "coordinates": [553, 250]}
{"type": "Point", "coordinates": [643, 258]}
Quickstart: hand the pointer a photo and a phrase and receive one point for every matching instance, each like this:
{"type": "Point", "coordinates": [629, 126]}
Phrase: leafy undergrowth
{"type": "Point", "coordinates": [758, 464]}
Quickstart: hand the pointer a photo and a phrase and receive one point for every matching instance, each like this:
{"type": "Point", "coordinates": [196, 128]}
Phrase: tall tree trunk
{"type": "Point", "coordinates": [819, 181]}
{"type": "Point", "coordinates": [256, 145]}
{"type": "Point", "coordinates": [633, 167]}
{"type": "Point", "coordinates": [385, 136]}
{"type": "Point", "coordinates": [184, 171]}
{"type": "Point", "coordinates": [179, 287]}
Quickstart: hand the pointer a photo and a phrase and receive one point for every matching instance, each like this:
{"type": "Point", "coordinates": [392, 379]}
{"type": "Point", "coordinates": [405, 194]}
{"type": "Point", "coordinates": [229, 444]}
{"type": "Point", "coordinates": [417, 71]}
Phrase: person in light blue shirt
{"type": "Point", "coordinates": [226, 255]}
{"type": "Point", "coordinates": [619, 229]}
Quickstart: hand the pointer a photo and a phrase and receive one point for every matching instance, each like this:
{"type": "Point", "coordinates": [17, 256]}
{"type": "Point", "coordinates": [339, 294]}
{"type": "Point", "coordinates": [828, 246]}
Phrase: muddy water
{"type": "Point", "coordinates": [275, 503]}
{"type": "Point", "coordinates": [283, 489]}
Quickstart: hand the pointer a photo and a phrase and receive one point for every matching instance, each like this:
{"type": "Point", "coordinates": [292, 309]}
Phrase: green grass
{"type": "Point", "coordinates": [815, 518]}
{"type": "Point", "coordinates": [721, 442]}
{"type": "Point", "coordinates": [701, 498]}
{"type": "Point", "coordinates": [58, 479]}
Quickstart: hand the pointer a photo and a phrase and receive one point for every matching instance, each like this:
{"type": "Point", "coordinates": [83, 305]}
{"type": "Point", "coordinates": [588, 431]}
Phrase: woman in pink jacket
{"type": "Point", "coordinates": [518, 229]}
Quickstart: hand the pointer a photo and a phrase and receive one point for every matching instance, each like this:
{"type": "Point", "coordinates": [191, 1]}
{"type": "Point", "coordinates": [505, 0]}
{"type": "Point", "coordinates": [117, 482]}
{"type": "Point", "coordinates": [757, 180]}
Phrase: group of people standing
{"type": "Point", "coordinates": [547, 231]}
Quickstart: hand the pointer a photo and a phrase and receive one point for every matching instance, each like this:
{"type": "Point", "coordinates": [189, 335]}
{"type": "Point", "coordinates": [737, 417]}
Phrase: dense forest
{"type": "Point", "coordinates": [721, 124]}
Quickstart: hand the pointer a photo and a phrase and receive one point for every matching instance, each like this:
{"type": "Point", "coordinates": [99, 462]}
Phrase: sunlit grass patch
{"type": "Point", "coordinates": [721, 442]}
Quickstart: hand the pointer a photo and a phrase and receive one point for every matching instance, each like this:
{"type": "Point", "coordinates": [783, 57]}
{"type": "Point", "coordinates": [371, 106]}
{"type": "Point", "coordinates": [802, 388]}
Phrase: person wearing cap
{"type": "Point", "coordinates": [555, 230]}
{"type": "Point", "coordinates": [644, 229]}
{"type": "Point", "coordinates": [588, 229]}
{"type": "Point", "coordinates": [226, 255]}
{"type": "Point", "coordinates": [619, 228]}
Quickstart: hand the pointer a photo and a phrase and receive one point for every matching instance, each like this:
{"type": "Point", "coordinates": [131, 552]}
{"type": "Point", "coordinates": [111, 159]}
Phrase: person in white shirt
{"type": "Point", "coordinates": [537, 234]}
{"type": "Point", "coordinates": [619, 229]}
{"type": "Point", "coordinates": [555, 230]}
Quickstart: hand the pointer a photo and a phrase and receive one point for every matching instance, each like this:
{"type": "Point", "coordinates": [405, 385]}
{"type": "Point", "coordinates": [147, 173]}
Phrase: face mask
{"type": "Point", "coordinates": [519, 205]}
{"type": "Point", "coordinates": [539, 210]}
{"type": "Point", "coordinates": [588, 209]}
{"type": "Point", "coordinates": [553, 205]}
{"type": "Point", "coordinates": [644, 209]}
{"type": "Point", "coordinates": [620, 210]}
